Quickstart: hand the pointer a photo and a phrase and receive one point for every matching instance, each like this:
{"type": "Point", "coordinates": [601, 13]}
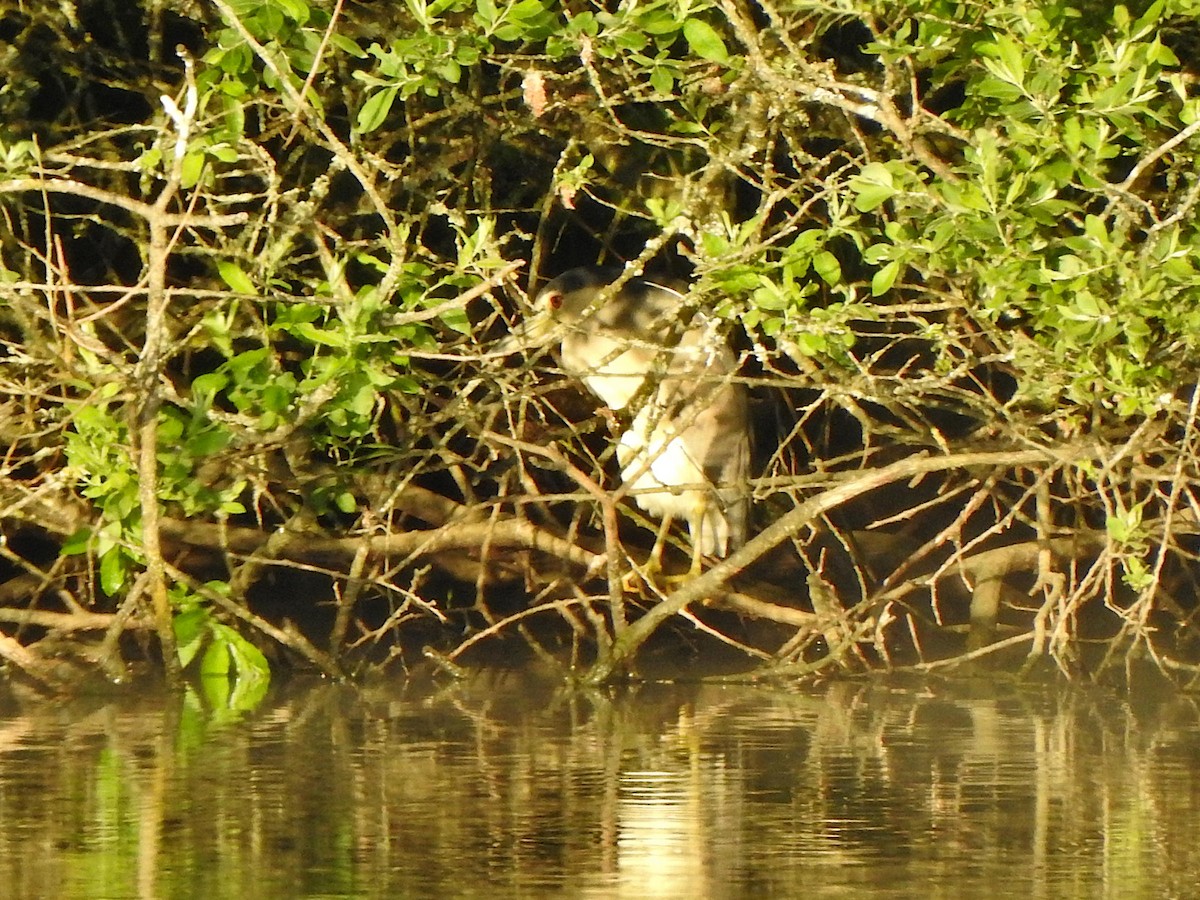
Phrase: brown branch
{"type": "Point", "coordinates": [30, 663]}
{"type": "Point", "coordinates": [507, 534]}
{"type": "Point", "coordinates": [139, 208]}
{"type": "Point", "coordinates": [65, 621]}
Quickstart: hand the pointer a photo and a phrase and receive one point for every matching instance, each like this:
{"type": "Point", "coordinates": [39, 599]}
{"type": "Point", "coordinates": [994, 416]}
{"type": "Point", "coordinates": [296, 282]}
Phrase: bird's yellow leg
{"type": "Point", "coordinates": [696, 532]}
{"type": "Point", "coordinates": [697, 559]}
{"type": "Point", "coordinates": [654, 563]}
{"type": "Point", "coordinates": [650, 571]}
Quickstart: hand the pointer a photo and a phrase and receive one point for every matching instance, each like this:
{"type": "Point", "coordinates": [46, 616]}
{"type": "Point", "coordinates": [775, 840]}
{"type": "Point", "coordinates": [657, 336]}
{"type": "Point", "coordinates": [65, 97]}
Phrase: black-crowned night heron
{"type": "Point", "coordinates": [686, 452]}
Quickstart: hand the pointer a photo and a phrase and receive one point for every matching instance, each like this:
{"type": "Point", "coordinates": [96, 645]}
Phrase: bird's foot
{"type": "Point", "coordinates": [642, 579]}
{"type": "Point", "coordinates": [651, 577]}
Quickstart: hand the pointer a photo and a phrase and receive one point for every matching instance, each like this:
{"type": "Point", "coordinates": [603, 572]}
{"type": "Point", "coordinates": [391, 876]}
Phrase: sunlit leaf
{"type": "Point", "coordinates": [191, 628]}
{"type": "Point", "coordinates": [192, 169]}
{"type": "Point", "coordinates": [112, 572]}
{"type": "Point", "coordinates": [239, 282]}
{"type": "Point", "coordinates": [297, 10]}
{"type": "Point", "coordinates": [827, 266]}
{"type": "Point", "coordinates": [216, 659]}
{"type": "Point", "coordinates": [79, 542]}
{"type": "Point", "coordinates": [873, 186]}
{"type": "Point", "coordinates": [883, 280]}
{"type": "Point", "coordinates": [704, 41]}
{"type": "Point", "coordinates": [347, 45]}
{"type": "Point", "coordinates": [375, 111]}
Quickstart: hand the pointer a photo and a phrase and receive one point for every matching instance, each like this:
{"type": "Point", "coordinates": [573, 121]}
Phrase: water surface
{"type": "Point", "coordinates": [504, 787]}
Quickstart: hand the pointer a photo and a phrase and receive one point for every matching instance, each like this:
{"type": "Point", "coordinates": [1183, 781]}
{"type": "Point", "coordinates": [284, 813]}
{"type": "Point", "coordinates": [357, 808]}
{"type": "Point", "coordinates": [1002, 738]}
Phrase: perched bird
{"type": "Point", "coordinates": [686, 452]}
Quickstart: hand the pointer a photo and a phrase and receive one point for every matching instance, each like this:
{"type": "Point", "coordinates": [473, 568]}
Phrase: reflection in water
{"type": "Point", "coordinates": [501, 788]}
{"type": "Point", "coordinates": [660, 851]}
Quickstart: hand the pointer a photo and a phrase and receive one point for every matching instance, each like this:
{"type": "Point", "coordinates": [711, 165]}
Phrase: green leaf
{"type": "Point", "coordinates": [449, 70]}
{"type": "Point", "coordinates": [192, 169]}
{"type": "Point", "coordinates": [248, 693]}
{"type": "Point", "coordinates": [316, 335]}
{"type": "Point", "coordinates": [704, 41]}
{"type": "Point", "coordinates": [997, 89]}
{"type": "Point", "coordinates": [827, 266]}
{"type": "Point", "coordinates": [112, 572]}
{"type": "Point", "coordinates": [224, 153]}
{"type": "Point", "coordinates": [208, 442]}
{"type": "Point", "coordinates": [191, 628]}
{"type": "Point", "coordinates": [485, 12]}
{"type": "Point", "coordinates": [526, 9]}
{"type": "Point", "coordinates": [297, 10]}
{"type": "Point", "coordinates": [1149, 20]}
{"type": "Point", "coordinates": [267, 21]}
{"type": "Point", "coordinates": [883, 280]}
{"type": "Point", "coordinates": [206, 386]}
{"type": "Point", "coordinates": [216, 659]}
{"type": "Point", "coordinates": [375, 111]}
{"type": "Point", "coordinates": [1011, 64]}
{"type": "Point", "coordinates": [276, 397]}
{"type": "Point", "coordinates": [249, 660]}
{"type": "Point", "coordinates": [347, 45]}
{"type": "Point", "coordinates": [78, 542]}
{"type": "Point", "coordinates": [1125, 526]}
{"type": "Point", "coordinates": [662, 80]}
{"type": "Point", "coordinates": [807, 241]}
{"type": "Point", "coordinates": [810, 344]}
{"type": "Point", "coordinates": [458, 320]}
{"type": "Point", "coordinates": [874, 185]}
{"type": "Point", "coordinates": [658, 22]}
{"type": "Point", "coordinates": [239, 282]}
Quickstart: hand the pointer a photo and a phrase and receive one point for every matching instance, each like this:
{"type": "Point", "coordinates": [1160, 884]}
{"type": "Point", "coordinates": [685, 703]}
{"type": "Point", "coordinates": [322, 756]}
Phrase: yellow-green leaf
{"type": "Point", "coordinates": [883, 280]}
{"type": "Point", "coordinates": [375, 110]}
{"type": "Point", "coordinates": [704, 41]}
{"type": "Point", "coordinates": [238, 281]}
{"type": "Point", "coordinates": [191, 170]}
{"type": "Point", "coordinates": [827, 266]}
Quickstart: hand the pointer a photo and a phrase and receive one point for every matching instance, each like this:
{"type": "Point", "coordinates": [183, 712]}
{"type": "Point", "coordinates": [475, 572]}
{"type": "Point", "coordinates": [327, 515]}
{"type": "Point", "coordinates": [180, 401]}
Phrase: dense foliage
{"type": "Point", "coordinates": [255, 254]}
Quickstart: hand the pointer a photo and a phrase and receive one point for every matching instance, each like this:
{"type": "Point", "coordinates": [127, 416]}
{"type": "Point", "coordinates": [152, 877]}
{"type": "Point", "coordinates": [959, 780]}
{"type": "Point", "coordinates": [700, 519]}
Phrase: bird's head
{"type": "Point", "coordinates": [574, 295]}
{"type": "Point", "coordinates": [635, 308]}
{"type": "Point", "coordinates": [563, 303]}
{"type": "Point", "coordinates": [588, 299]}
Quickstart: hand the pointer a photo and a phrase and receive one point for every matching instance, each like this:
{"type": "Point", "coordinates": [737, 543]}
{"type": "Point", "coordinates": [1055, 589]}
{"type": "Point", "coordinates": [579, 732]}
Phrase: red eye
{"type": "Point", "coordinates": [554, 301]}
